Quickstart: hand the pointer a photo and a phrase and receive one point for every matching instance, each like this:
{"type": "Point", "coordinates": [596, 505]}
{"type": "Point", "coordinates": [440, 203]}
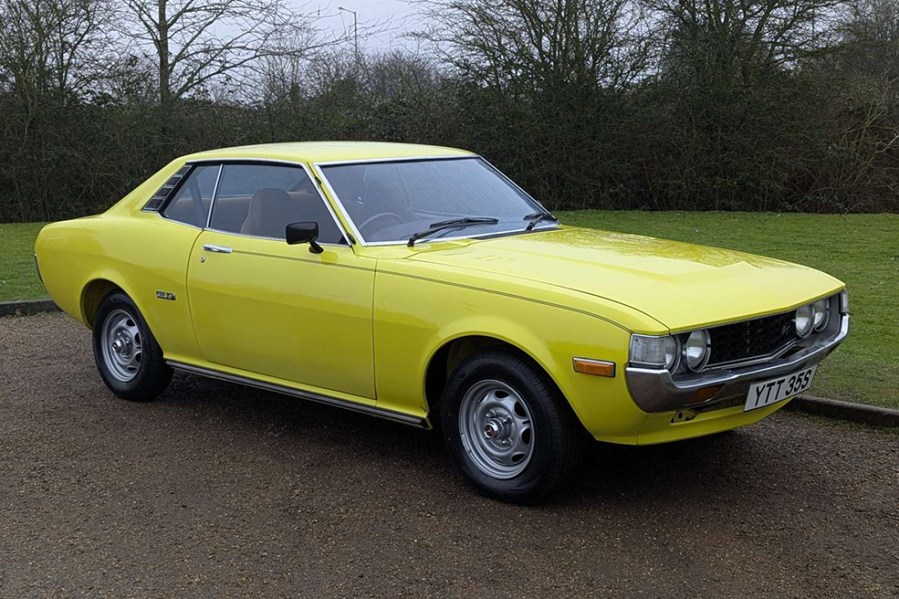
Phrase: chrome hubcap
{"type": "Point", "coordinates": [496, 430]}
{"type": "Point", "coordinates": [120, 345]}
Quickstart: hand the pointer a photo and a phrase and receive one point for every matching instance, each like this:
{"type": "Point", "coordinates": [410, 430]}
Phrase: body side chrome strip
{"type": "Point", "coordinates": [323, 399]}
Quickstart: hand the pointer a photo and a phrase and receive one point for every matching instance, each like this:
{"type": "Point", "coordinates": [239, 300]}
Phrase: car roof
{"type": "Point", "coordinates": [328, 151]}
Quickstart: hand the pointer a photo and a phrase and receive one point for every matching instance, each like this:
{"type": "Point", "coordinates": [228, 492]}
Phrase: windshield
{"type": "Point", "coordinates": [393, 201]}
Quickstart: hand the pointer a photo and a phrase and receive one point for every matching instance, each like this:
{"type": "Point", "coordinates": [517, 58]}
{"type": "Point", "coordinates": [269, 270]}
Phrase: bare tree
{"type": "Point", "coordinates": [717, 42]}
{"type": "Point", "coordinates": [46, 46]}
{"type": "Point", "coordinates": [871, 39]}
{"type": "Point", "coordinates": [198, 41]}
{"type": "Point", "coordinates": [538, 43]}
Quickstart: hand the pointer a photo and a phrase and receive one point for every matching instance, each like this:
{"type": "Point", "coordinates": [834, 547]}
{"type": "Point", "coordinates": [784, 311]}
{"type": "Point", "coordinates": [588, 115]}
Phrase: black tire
{"type": "Point", "coordinates": [554, 438]}
{"type": "Point", "coordinates": [140, 375]}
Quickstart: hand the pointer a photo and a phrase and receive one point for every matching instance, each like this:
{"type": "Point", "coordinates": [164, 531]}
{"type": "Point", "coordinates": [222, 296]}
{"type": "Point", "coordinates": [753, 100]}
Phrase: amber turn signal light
{"type": "Point", "coordinates": [703, 394]}
{"type": "Point", "coordinates": [594, 367]}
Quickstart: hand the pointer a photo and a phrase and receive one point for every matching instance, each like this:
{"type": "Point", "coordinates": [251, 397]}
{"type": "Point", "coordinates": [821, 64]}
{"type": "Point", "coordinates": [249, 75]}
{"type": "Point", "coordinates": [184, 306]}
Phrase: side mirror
{"type": "Point", "coordinates": [306, 232]}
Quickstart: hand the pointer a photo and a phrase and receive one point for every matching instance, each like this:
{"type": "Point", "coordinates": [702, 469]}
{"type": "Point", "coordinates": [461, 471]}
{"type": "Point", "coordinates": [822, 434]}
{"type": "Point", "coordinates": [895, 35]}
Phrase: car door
{"type": "Point", "coordinates": [277, 310]}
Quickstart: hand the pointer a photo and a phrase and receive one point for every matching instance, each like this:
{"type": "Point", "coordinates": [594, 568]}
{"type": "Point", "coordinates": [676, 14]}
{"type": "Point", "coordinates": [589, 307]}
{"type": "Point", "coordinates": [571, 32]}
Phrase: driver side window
{"type": "Point", "coordinates": [190, 204]}
{"type": "Point", "coordinates": [260, 200]}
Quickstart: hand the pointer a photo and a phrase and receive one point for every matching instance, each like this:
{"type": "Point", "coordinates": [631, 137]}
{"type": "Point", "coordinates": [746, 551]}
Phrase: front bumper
{"type": "Point", "coordinates": [659, 391]}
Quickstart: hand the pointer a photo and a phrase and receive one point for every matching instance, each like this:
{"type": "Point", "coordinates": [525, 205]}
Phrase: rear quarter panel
{"type": "Point", "coordinates": [136, 251]}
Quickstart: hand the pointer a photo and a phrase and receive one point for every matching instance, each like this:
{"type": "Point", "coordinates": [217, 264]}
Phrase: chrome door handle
{"type": "Point", "coordinates": [218, 249]}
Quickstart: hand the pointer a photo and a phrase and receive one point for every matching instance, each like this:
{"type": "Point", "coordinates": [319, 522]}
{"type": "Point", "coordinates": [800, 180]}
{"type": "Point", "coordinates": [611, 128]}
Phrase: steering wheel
{"type": "Point", "coordinates": [380, 215]}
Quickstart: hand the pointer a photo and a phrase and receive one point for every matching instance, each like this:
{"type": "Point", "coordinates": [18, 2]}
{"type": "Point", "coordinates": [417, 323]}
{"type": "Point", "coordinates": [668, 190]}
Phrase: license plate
{"type": "Point", "coordinates": [775, 390]}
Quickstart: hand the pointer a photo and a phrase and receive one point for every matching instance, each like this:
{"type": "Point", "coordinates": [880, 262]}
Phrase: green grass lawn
{"type": "Point", "coordinates": [860, 249]}
{"type": "Point", "coordinates": [18, 278]}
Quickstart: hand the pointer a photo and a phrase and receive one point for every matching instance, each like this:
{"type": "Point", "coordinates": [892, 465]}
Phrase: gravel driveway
{"type": "Point", "coordinates": [215, 489]}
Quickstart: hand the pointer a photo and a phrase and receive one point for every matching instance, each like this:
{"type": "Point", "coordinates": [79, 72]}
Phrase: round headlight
{"type": "Point", "coordinates": [805, 321]}
{"type": "Point", "coordinates": [821, 314]}
{"type": "Point", "coordinates": [697, 349]}
{"type": "Point", "coordinates": [670, 352]}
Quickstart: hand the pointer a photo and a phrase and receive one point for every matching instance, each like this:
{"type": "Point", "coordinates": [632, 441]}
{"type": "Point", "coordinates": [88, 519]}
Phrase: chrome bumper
{"type": "Point", "coordinates": [659, 391]}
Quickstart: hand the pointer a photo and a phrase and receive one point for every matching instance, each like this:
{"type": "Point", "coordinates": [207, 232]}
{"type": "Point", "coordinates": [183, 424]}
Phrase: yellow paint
{"type": "Point", "coordinates": [363, 323]}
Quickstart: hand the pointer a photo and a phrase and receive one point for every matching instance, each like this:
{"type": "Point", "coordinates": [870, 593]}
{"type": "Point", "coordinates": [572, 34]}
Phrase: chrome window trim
{"type": "Point", "coordinates": [314, 179]}
{"type": "Point", "coordinates": [176, 222]}
{"type": "Point", "coordinates": [518, 187]}
{"type": "Point", "coordinates": [215, 191]}
{"type": "Point", "coordinates": [263, 237]}
{"type": "Point", "coordinates": [359, 237]}
{"type": "Point", "coordinates": [394, 159]}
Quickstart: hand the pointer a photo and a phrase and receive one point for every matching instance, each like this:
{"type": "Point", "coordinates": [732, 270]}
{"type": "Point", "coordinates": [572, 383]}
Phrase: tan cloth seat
{"type": "Point", "coordinates": [271, 210]}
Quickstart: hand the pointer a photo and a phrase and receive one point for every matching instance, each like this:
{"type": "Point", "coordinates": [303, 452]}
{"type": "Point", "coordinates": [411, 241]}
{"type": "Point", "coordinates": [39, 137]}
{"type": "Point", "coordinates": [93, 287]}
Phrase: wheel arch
{"type": "Point", "coordinates": [92, 295]}
{"type": "Point", "coordinates": [454, 350]}
{"type": "Point", "coordinates": [99, 286]}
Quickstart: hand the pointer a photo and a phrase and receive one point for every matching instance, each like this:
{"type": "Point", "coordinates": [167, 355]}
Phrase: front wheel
{"type": "Point", "coordinates": [127, 355]}
{"type": "Point", "coordinates": [507, 427]}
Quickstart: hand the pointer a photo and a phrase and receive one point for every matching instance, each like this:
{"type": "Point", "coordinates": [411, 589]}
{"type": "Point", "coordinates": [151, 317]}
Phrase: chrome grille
{"type": "Point", "coordinates": [751, 338]}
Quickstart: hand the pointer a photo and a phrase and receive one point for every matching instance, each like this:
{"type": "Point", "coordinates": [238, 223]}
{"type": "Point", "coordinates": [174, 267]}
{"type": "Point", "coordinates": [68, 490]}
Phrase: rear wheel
{"type": "Point", "coordinates": [127, 355]}
{"type": "Point", "coordinates": [508, 429]}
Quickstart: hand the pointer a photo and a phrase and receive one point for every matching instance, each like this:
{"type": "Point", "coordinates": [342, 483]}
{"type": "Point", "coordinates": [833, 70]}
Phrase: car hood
{"type": "Point", "coordinates": [678, 284]}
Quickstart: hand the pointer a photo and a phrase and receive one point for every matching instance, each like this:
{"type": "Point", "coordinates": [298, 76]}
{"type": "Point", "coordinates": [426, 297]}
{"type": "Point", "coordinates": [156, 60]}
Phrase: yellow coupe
{"type": "Point", "coordinates": [421, 285]}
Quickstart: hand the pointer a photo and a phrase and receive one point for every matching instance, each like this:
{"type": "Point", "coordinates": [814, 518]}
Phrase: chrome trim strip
{"type": "Point", "coordinates": [173, 221]}
{"type": "Point", "coordinates": [215, 191]}
{"type": "Point", "coordinates": [279, 239]}
{"type": "Point", "coordinates": [463, 154]}
{"type": "Point", "coordinates": [657, 391]}
{"type": "Point", "coordinates": [324, 179]}
{"type": "Point", "coordinates": [308, 395]}
{"type": "Point", "coordinates": [508, 180]}
{"type": "Point", "coordinates": [490, 235]}
{"type": "Point", "coordinates": [754, 359]}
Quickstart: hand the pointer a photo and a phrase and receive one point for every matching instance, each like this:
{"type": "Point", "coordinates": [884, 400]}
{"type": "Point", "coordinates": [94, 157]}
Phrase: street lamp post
{"type": "Point", "coordinates": [355, 29]}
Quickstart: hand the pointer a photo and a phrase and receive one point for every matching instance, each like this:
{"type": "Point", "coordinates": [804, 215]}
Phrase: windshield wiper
{"type": "Point", "coordinates": [537, 217]}
{"type": "Point", "coordinates": [468, 221]}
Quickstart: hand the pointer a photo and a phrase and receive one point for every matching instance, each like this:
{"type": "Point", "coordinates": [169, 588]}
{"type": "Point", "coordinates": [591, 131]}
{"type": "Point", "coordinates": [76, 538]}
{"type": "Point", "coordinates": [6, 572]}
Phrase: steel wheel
{"type": "Point", "coordinates": [121, 345]}
{"type": "Point", "coordinates": [496, 430]}
{"type": "Point", "coordinates": [508, 429]}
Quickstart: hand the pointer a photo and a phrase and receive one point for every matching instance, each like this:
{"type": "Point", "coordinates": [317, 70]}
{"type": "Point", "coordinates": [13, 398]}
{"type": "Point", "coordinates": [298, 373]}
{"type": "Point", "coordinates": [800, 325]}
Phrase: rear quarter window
{"type": "Point", "coordinates": [190, 203]}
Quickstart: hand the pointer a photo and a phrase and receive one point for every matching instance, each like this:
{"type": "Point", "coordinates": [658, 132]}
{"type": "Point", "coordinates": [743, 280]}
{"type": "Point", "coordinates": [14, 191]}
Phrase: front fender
{"type": "Point", "coordinates": [415, 318]}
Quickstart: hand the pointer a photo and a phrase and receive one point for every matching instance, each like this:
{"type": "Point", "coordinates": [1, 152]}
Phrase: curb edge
{"type": "Point", "coordinates": [27, 307]}
{"type": "Point", "coordinates": [844, 410]}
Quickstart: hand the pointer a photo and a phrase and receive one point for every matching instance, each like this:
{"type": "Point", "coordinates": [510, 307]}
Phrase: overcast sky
{"type": "Point", "coordinates": [395, 17]}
